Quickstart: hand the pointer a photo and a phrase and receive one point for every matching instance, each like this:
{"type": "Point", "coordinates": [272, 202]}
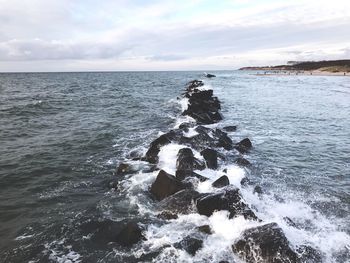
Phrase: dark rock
{"type": "Point", "coordinates": [230, 128]}
{"type": "Point", "coordinates": [129, 235]}
{"type": "Point", "coordinates": [154, 149]}
{"type": "Point", "coordinates": [309, 254]}
{"type": "Point", "coordinates": [113, 185]}
{"type": "Point", "coordinates": [245, 181]}
{"type": "Point", "coordinates": [124, 168]}
{"type": "Point", "coordinates": [244, 146]}
{"type": "Point", "coordinates": [229, 199]}
{"type": "Point", "coordinates": [223, 140]}
{"type": "Point", "coordinates": [101, 232]}
{"type": "Point", "coordinates": [265, 244]}
{"type": "Point", "coordinates": [167, 215]}
{"type": "Point", "coordinates": [187, 162]}
{"type": "Point", "coordinates": [221, 182]}
{"type": "Point", "coordinates": [211, 158]}
{"type": "Point", "coordinates": [290, 222]}
{"type": "Point", "coordinates": [165, 185]}
{"type": "Point", "coordinates": [210, 75]}
{"type": "Point", "coordinates": [205, 229]}
{"type": "Point", "coordinates": [258, 190]}
{"type": "Point", "coordinates": [183, 174]}
{"type": "Point", "coordinates": [242, 161]}
{"type": "Point", "coordinates": [190, 244]}
{"type": "Point", "coordinates": [180, 202]}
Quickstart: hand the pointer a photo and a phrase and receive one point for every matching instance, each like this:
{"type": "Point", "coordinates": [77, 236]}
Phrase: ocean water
{"type": "Point", "coordinates": [62, 136]}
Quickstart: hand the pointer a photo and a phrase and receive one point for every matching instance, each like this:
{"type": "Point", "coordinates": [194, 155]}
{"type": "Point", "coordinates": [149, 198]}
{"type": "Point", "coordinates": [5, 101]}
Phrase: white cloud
{"type": "Point", "coordinates": [110, 35]}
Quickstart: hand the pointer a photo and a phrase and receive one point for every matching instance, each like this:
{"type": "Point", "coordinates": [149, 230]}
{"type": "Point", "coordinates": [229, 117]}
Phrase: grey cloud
{"type": "Point", "coordinates": [38, 49]}
{"type": "Point", "coordinates": [169, 57]}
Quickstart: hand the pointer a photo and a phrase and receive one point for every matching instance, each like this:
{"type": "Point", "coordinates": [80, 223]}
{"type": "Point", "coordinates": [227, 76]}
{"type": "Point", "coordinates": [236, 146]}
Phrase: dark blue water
{"type": "Point", "coordinates": [63, 134]}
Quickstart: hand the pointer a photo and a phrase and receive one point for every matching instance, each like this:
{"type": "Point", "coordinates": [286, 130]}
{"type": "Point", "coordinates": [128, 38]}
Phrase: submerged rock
{"type": "Point", "coordinates": [244, 146]}
{"type": "Point", "coordinates": [205, 229]}
{"type": "Point", "coordinates": [165, 185]}
{"type": "Point", "coordinates": [264, 244]}
{"type": "Point", "coordinates": [190, 244]}
{"type": "Point", "coordinates": [130, 234]}
{"type": "Point", "coordinates": [211, 158]}
{"type": "Point", "coordinates": [242, 161]}
{"type": "Point", "coordinates": [258, 190]}
{"type": "Point", "coordinates": [230, 128]}
{"type": "Point", "coordinates": [229, 199]}
{"type": "Point", "coordinates": [167, 215]}
{"type": "Point", "coordinates": [123, 169]}
{"type": "Point", "coordinates": [221, 182]}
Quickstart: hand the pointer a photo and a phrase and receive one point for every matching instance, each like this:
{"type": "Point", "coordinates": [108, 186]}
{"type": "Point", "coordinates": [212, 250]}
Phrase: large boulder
{"type": "Point", "coordinates": [165, 185]}
{"type": "Point", "coordinates": [211, 158]}
{"type": "Point", "coordinates": [223, 140]}
{"type": "Point", "coordinates": [242, 162]}
{"type": "Point", "coordinates": [130, 234]}
{"type": "Point", "coordinates": [221, 182]}
{"type": "Point", "coordinates": [180, 202]}
{"type": "Point", "coordinates": [244, 146]}
{"type": "Point", "coordinates": [264, 244]}
{"type": "Point", "coordinates": [154, 149]}
{"type": "Point", "coordinates": [187, 162]}
{"type": "Point", "coordinates": [229, 199]}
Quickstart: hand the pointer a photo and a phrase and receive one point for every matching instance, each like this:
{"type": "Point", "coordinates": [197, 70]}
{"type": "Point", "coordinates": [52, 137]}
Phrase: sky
{"type": "Point", "coordinates": [121, 35]}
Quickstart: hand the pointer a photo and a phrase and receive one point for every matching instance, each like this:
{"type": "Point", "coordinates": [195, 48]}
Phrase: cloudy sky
{"type": "Point", "coordinates": [79, 35]}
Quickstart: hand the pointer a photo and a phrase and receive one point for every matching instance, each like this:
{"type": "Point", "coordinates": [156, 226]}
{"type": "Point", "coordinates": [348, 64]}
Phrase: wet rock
{"type": "Point", "coordinates": [167, 215]}
{"type": "Point", "coordinates": [242, 161]}
{"type": "Point", "coordinates": [101, 232]}
{"type": "Point", "coordinates": [152, 153]}
{"type": "Point", "coordinates": [187, 162]}
{"type": "Point", "coordinates": [264, 244]}
{"type": "Point", "coordinates": [205, 229]}
{"type": "Point", "coordinates": [180, 202]}
{"type": "Point", "coordinates": [230, 128]}
{"type": "Point", "coordinates": [245, 181]}
{"type": "Point", "coordinates": [258, 190]}
{"type": "Point", "coordinates": [113, 184]}
{"type": "Point", "coordinates": [290, 222]}
{"type": "Point", "coordinates": [130, 234]}
{"type": "Point", "coordinates": [244, 146]}
{"type": "Point", "coordinates": [190, 244]}
{"type": "Point", "coordinates": [221, 182]}
{"type": "Point", "coordinates": [183, 174]}
{"type": "Point", "coordinates": [223, 140]}
{"type": "Point", "coordinates": [229, 199]}
{"type": "Point", "coordinates": [210, 75]}
{"type": "Point", "coordinates": [165, 185]}
{"type": "Point", "coordinates": [211, 158]}
{"type": "Point", "coordinates": [308, 254]}
{"type": "Point", "coordinates": [124, 169]}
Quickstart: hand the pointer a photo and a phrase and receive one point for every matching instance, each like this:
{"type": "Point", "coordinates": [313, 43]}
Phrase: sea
{"type": "Point", "coordinates": [62, 136]}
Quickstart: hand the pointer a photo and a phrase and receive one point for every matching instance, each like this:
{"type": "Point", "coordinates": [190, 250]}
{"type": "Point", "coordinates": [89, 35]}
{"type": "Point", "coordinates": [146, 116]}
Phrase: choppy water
{"type": "Point", "coordinates": [63, 134]}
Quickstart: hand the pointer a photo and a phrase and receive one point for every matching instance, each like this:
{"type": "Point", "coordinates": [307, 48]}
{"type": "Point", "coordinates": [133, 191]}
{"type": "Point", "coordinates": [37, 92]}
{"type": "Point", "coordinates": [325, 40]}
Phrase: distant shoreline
{"type": "Point", "coordinates": [317, 68]}
{"type": "Point", "coordinates": [301, 73]}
